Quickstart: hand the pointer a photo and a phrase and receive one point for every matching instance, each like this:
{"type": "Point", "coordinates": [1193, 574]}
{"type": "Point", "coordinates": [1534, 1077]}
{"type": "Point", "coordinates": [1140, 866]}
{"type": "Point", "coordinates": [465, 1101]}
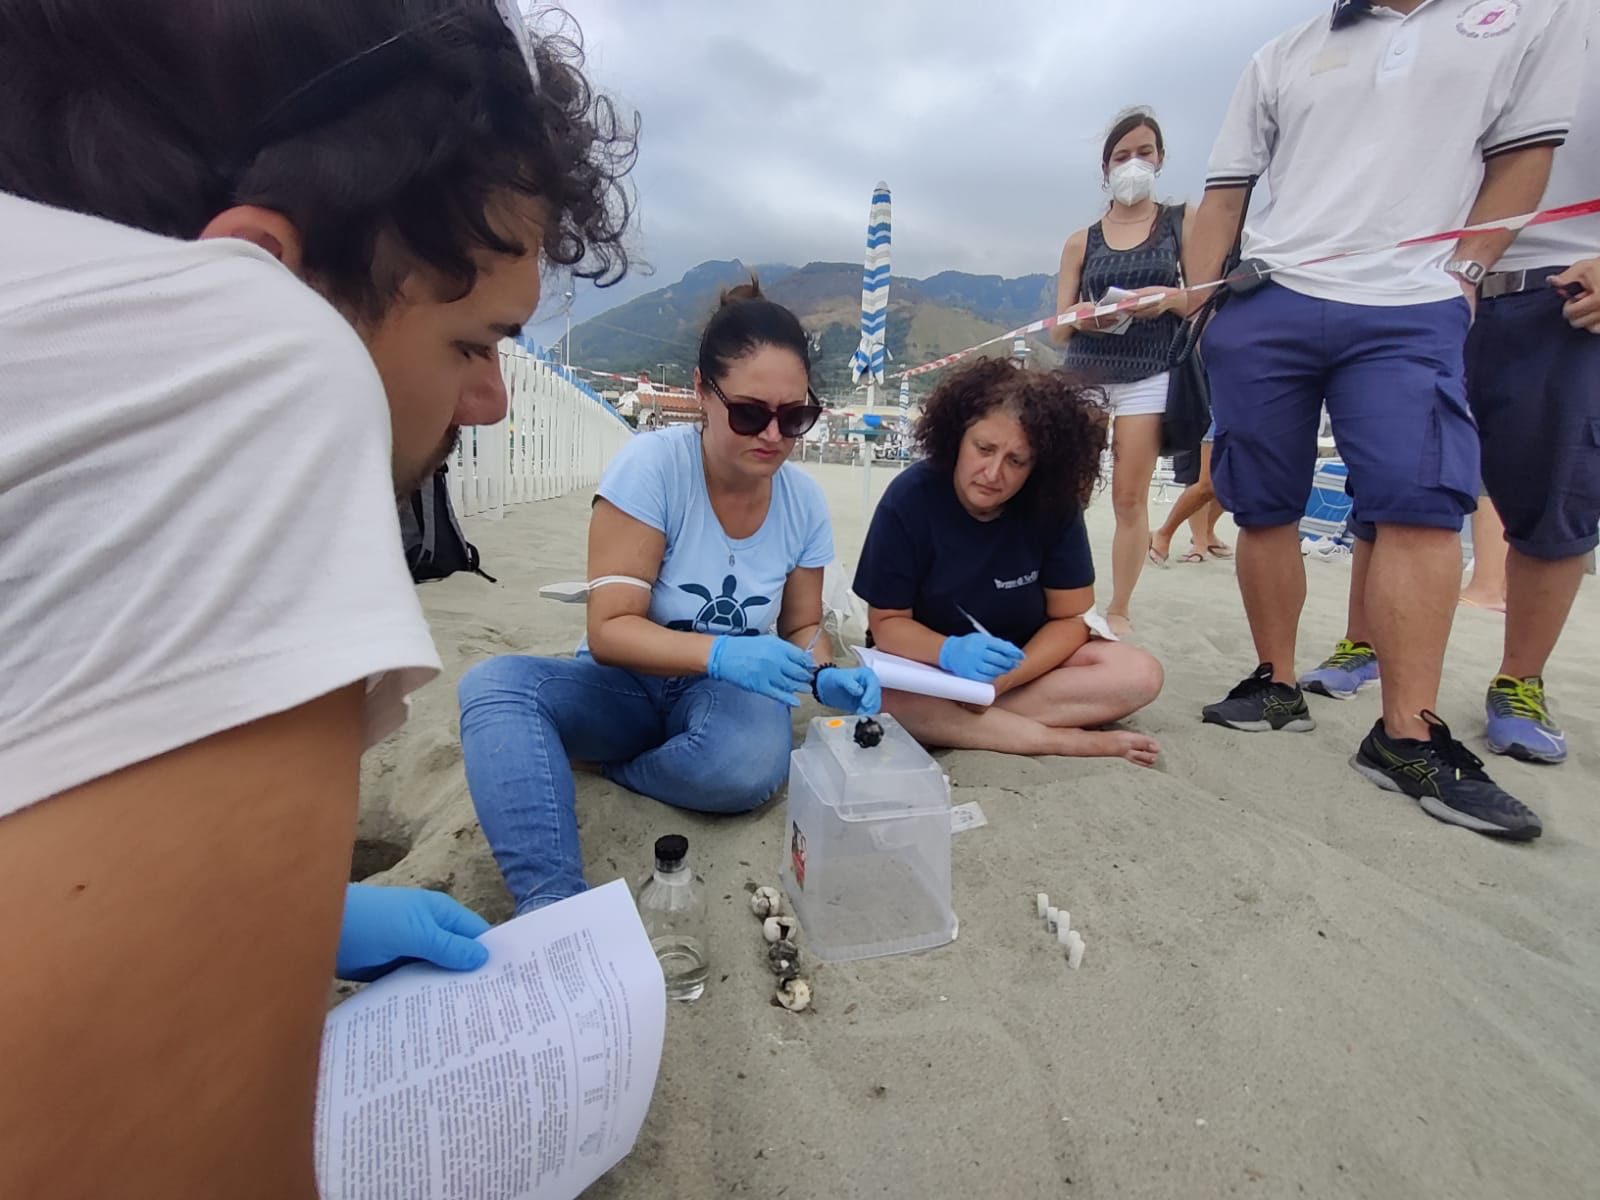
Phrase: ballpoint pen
{"type": "Point", "coordinates": [976, 624]}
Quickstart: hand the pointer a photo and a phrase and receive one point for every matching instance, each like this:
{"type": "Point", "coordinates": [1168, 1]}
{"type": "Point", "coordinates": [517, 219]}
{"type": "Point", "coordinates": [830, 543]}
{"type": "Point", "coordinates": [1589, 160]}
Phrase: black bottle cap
{"type": "Point", "coordinates": [671, 851]}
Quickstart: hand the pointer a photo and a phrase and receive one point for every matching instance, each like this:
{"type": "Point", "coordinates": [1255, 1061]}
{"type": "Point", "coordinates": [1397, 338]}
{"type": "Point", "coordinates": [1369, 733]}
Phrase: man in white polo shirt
{"type": "Point", "coordinates": [1372, 124]}
{"type": "Point", "coordinates": [1533, 377]}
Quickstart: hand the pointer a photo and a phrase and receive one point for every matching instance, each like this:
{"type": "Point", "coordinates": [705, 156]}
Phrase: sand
{"type": "Point", "coordinates": [1295, 984]}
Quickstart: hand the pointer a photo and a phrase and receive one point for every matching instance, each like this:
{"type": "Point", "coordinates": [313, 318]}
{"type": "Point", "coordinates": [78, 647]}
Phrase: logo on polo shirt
{"type": "Point", "coordinates": [1006, 585]}
{"type": "Point", "coordinates": [1489, 18]}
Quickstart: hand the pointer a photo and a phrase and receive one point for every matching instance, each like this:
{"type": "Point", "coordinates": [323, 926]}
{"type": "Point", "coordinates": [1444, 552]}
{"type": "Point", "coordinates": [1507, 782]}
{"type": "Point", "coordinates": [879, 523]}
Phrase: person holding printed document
{"type": "Point", "coordinates": [1469, 102]}
{"type": "Point", "coordinates": [1134, 247]}
{"type": "Point", "coordinates": [706, 553]}
{"type": "Point", "coordinates": [217, 316]}
{"type": "Point", "coordinates": [977, 561]}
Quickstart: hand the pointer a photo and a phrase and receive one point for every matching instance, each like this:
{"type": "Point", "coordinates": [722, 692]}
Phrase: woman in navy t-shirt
{"type": "Point", "coordinates": [988, 530]}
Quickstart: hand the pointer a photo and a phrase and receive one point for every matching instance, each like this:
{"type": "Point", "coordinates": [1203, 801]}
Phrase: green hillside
{"type": "Point", "coordinates": [927, 318]}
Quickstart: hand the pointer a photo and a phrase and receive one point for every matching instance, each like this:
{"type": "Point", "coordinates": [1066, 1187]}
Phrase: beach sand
{"type": "Point", "coordinates": [1295, 983]}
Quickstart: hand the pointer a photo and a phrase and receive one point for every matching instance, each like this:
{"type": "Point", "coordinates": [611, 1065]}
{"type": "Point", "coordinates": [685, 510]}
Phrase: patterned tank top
{"type": "Point", "coordinates": [1141, 351]}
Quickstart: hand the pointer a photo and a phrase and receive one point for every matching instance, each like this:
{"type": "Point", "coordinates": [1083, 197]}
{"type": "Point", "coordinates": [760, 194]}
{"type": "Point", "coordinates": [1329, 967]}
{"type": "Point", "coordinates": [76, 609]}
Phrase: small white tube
{"type": "Point", "coordinates": [1063, 934]}
{"type": "Point", "coordinates": [1051, 915]}
{"type": "Point", "coordinates": [1043, 901]}
{"type": "Point", "coordinates": [1075, 952]}
{"type": "Point", "coordinates": [1064, 921]}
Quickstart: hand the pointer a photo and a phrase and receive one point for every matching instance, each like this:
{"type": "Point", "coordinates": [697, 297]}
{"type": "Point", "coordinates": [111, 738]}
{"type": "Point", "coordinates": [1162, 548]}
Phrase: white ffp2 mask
{"type": "Point", "coordinates": [1133, 181]}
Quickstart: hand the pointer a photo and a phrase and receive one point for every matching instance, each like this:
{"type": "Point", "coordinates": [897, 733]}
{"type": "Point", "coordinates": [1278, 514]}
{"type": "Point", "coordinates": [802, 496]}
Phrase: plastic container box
{"type": "Point", "coordinates": [866, 859]}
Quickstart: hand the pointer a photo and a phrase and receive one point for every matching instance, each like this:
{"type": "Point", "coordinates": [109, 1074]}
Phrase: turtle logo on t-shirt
{"type": "Point", "coordinates": [722, 613]}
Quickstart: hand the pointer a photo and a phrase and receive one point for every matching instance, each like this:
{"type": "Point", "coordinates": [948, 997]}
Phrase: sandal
{"type": "Point", "coordinates": [1194, 556]}
{"type": "Point", "coordinates": [1220, 550]}
{"type": "Point", "coordinates": [1156, 559]}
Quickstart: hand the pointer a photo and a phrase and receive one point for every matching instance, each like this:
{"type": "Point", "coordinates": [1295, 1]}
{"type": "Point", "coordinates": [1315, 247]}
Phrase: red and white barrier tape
{"type": "Point", "coordinates": [640, 384]}
{"type": "Point", "coordinates": [1548, 216]}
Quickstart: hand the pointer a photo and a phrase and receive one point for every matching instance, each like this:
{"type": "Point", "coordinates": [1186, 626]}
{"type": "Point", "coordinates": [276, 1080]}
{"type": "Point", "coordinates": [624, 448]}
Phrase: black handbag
{"type": "Point", "coordinates": [1188, 415]}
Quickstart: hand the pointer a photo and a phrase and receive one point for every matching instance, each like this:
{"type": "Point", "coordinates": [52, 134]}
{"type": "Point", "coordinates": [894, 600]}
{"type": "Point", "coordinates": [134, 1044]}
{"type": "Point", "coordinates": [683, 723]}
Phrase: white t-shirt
{"type": "Point", "coordinates": [709, 582]}
{"type": "Point", "coordinates": [1575, 177]}
{"type": "Point", "coordinates": [197, 523]}
{"type": "Point", "coordinates": [1376, 131]}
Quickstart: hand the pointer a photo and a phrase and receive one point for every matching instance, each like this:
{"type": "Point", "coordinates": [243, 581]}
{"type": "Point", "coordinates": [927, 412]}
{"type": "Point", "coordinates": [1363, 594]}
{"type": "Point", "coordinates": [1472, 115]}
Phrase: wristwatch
{"type": "Point", "coordinates": [1466, 270]}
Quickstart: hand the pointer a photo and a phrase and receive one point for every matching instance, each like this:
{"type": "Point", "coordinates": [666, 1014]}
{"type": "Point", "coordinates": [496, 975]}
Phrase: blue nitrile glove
{"type": "Point", "coordinates": [979, 656]}
{"type": "Point", "coordinates": [765, 665]}
{"type": "Point", "coordinates": [850, 689]}
{"type": "Point", "coordinates": [387, 927]}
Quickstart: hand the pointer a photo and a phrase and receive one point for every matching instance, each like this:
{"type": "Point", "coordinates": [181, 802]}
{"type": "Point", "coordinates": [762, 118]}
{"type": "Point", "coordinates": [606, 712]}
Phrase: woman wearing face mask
{"type": "Point", "coordinates": [977, 561]}
{"type": "Point", "coordinates": [1134, 246]}
{"type": "Point", "coordinates": [705, 554]}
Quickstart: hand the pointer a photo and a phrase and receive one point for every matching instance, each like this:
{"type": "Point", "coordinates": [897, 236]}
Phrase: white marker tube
{"type": "Point", "coordinates": [1051, 915]}
{"type": "Point", "coordinates": [1063, 920]}
{"type": "Point", "coordinates": [1063, 934]}
{"type": "Point", "coordinates": [1043, 901]}
{"type": "Point", "coordinates": [1075, 952]}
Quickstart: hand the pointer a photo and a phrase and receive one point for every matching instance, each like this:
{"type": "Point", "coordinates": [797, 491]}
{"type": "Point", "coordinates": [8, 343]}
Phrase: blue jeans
{"type": "Point", "coordinates": [691, 742]}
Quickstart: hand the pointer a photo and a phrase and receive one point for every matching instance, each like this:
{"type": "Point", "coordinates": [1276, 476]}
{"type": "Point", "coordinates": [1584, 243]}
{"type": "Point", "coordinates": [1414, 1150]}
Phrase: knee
{"type": "Point", "coordinates": [743, 771]}
{"type": "Point", "coordinates": [510, 677]}
{"type": "Point", "coordinates": [1130, 503]}
{"type": "Point", "coordinates": [1139, 677]}
{"type": "Point", "coordinates": [744, 778]}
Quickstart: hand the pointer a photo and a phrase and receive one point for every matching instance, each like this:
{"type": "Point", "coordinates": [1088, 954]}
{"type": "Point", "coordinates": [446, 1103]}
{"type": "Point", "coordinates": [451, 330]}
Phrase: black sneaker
{"type": "Point", "coordinates": [1258, 705]}
{"type": "Point", "coordinates": [1447, 779]}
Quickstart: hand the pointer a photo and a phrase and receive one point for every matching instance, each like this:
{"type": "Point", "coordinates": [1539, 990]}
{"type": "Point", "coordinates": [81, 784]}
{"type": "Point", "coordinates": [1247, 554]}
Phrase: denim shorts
{"type": "Point", "coordinates": [1534, 383]}
{"type": "Point", "coordinates": [1393, 381]}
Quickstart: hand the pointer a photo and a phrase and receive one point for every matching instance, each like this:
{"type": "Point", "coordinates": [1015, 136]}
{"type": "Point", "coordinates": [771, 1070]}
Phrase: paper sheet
{"type": "Point", "coordinates": [904, 675]}
{"type": "Point", "coordinates": [527, 1079]}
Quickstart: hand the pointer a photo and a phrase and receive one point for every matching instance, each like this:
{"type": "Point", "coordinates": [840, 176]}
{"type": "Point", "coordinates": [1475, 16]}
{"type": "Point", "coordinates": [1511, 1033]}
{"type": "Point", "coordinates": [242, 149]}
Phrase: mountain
{"type": "Point", "coordinates": [928, 318]}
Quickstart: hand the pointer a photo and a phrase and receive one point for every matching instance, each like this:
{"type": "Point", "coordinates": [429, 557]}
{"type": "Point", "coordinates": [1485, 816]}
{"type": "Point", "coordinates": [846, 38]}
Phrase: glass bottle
{"type": "Point", "coordinates": [673, 907]}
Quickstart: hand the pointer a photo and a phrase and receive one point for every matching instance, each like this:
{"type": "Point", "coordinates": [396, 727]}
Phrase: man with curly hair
{"type": "Point", "coordinates": [255, 261]}
{"type": "Point", "coordinates": [977, 561]}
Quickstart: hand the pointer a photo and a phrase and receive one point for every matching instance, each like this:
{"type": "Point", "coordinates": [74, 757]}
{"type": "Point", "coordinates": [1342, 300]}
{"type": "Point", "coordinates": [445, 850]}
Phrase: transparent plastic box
{"type": "Point", "coordinates": [866, 856]}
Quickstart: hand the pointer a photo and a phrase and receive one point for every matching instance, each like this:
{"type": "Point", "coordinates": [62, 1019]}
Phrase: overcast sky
{"type": "Point", "coordinates": [765, 125]}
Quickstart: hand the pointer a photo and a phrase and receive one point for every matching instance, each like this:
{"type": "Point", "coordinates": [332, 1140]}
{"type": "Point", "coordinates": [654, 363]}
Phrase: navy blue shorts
{"type": "Point", "coordinates": [1392, 378]}
{"type": "Point", "coordinates": [1534, 383]}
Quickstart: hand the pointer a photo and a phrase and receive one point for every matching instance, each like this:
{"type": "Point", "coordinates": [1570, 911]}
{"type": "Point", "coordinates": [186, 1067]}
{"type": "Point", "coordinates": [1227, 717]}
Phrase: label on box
{"type": "Point", "coordinates": [797, 855]}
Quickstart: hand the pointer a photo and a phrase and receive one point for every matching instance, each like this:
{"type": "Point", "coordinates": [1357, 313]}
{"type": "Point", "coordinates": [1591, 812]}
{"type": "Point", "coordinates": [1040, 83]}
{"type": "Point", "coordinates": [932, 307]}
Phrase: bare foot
{"type": "Point", "coordinates": [1120, 624]}
{"type": "Point", "coordinates": [1160, 548]}
{"type": "Point", "coordinates": [1139, 749]}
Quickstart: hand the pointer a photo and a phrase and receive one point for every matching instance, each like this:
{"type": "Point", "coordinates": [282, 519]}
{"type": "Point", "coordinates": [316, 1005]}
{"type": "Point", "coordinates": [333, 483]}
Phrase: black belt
{"type": "Point", "coordinates": [1511, 283]}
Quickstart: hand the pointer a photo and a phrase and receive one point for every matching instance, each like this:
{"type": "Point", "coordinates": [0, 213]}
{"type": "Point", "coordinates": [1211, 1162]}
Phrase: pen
{"type": "Point", "coordinates": [975, 622]}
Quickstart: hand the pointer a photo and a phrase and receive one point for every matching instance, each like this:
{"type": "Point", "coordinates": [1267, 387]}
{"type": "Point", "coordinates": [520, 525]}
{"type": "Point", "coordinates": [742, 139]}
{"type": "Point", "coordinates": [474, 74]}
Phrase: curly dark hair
{"type": "Point", "coordinates": [1065, 422]}
{"type": "Point", "coordinates": [368, 123]}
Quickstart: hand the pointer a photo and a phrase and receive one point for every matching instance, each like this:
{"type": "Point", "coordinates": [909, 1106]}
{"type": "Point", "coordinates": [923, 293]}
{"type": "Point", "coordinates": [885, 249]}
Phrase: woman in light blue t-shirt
{"type": "Point", "coordinates": [682, 691]}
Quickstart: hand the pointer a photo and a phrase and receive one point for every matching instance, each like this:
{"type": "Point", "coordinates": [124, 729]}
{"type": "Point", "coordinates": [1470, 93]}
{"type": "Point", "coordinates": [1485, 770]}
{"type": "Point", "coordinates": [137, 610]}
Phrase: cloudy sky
{"type": "Point", "coordinates": [765, 125]}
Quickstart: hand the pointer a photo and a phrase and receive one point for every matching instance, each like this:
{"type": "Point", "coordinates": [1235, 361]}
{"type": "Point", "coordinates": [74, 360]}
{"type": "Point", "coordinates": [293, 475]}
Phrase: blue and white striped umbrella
{"type": "Point", "coordinates": [905, 409]}
{"type": "Point", "coordinates": [867, 362]}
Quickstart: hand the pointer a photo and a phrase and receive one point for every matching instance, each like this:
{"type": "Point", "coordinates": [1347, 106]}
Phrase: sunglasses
{"type": "Point", "coordinates": [748, 418]}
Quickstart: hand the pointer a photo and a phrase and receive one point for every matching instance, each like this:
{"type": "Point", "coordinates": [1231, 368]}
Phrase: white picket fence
{"type": "Point", "coordinates": [557, 437]}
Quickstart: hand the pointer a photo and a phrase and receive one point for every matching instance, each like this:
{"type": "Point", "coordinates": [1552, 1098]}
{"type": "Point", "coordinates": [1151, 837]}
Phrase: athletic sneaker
{"type": "Point", "coordinates": [1520, 723]}
{"type": "Point", "coordinates": [1258, 705]}
{"type": "Point", "coordinates": [1351, 667]}
{"type": "Point", "coordinates": [1447, 779]}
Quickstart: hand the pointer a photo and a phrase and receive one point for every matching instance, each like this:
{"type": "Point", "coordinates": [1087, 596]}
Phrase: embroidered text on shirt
{"type": "Point", "coordinates": [1006, 585]}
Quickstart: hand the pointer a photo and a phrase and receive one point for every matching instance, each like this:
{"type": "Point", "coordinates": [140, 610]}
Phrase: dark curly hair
{"type": "Point", "coordinates": [368, 123]}
{"type": "Point", "coordinates": [1065, 423]}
